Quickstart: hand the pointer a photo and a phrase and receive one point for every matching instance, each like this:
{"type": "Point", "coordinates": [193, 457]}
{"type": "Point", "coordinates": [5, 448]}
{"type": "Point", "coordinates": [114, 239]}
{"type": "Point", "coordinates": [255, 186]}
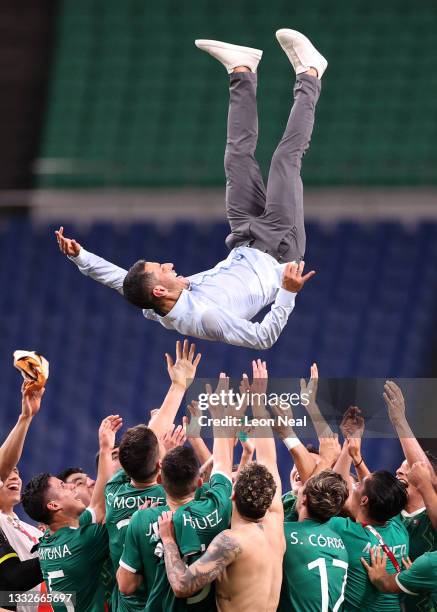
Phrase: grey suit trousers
{"type": "Point", "coordinates": [271, 220]}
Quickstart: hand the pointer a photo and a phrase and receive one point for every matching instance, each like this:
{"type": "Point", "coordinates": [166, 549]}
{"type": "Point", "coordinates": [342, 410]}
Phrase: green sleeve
{"type": "Point", "coordinates": [87, 517]}
{"type": "Point", "coordinates": [220, 490]}
{"type": "Point", "coordinates": [115, 481]}
{"type": "Point", "coordinates": [289, 504]}
{"type": "Point", "coordinates": [95, 537]}
{"type": "Point", "coordinates": [340, 524]}
{"type": "Point", "coordinates": [421, 577]}
{"type": "Point", "coordinates": [131, 556]}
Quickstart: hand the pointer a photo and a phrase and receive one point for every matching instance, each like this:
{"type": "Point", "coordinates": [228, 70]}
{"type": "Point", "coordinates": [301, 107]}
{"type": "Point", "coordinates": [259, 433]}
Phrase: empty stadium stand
{"type": "Point", "coordinates": [133, 103]}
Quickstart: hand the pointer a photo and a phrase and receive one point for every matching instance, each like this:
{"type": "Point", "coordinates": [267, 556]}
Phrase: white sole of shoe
{"type": "Point", "coordinates": [320, 62]}
{"type": "Point", "coordinates": [231, 55]}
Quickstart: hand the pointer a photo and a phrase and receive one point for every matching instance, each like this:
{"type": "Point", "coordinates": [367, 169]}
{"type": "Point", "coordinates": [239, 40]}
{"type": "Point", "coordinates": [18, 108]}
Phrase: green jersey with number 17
{"type": "Point", "coordinates": [314, 568]}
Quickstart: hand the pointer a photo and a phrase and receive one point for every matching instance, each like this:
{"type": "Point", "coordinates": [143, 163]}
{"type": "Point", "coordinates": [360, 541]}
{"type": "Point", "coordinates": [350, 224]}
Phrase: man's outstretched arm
{"type": "Point", "coordinates": [185, 581]}
{"type": "Point", "coordinates": [223, 327]}
{"type": "Point", "coordinates": [91, 265]}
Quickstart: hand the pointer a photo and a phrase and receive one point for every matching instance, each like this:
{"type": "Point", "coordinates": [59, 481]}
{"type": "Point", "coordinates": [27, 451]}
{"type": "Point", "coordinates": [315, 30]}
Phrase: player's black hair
{"type": "Point", "coordinates": [254, 490]}
{"type": "Point", "coordinates": [138, 286]}
{"type": "Point", "coordinates": [326, 493]}
{"type": "Point", "coordinates": [386, 494]}
{"type": "Point", "coordinates": [34, 498]}
{"type": "Point", "coordinates": [180, 472]}
{"type": "Point", "coordinates": [139, 453]}
{"type": "Point", "coordinates": [68, 472]}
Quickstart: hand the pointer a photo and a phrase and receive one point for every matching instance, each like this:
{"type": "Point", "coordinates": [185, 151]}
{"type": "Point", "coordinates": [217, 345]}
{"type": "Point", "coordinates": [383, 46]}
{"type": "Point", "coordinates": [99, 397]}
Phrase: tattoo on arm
{"type": "Point", "coordinates": [185, 581]}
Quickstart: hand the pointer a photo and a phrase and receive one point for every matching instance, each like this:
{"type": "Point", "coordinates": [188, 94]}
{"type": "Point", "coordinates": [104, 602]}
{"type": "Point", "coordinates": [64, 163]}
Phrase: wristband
{"type": "Point", "coordinates": [359, 463]}
{"type": "Point", "coordinates": [291, 443]}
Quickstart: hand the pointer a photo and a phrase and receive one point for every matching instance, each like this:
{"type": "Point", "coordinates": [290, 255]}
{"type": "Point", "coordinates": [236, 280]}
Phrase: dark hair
{"type": "Point", "coordinates": [138, 285]}
{"type": "Point", "coordinates": [68, 472]}
{"type": "Point", "coordinates": [386, 494]}
{"type": "Point", "coordinates": [139, 453]}
{"type": "Point", "coordinates": [34, 498]}
{"type": "Point", "coordinates": [254, 490]}
{"type": "Point", "coordinates": [180, 471]}
{"type": "Point", "coordinates": [433, 461]}
{"type": "Point", "coordinates": [326, 494]}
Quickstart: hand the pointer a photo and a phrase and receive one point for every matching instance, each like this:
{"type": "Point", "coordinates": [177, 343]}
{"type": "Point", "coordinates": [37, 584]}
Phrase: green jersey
{"type": "Point", "coordinates": [423, 538]}
{"type": "Point", "coordinates": [421, 578]}
{"type": "Point", "coordinates": [196, 525]}
{"type": "Point", "coordinates": [122, 501]}
{"type": "Point", "coordinates": [289, 503]}
{"type": "Point", "coordinates": [315, 568]}
{"type": "Point", "coordinates": [360, 594]}
{"type": "Point", "coordinates": [71, 561]}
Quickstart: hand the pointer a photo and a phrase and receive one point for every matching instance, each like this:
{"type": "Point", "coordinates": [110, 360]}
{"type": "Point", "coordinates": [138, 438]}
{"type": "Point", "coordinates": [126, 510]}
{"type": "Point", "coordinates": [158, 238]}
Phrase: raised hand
{"type": "Point", "coordinates": [352, 425]}
{"type": "Point", "coordinates": [68, 246]}
{"type": "Point", "coordinates": [292, 279]}
{"type": "Point", "coordinates": [107, 430]}
{"type": "Point", "coordinates": [183, 371]}
{"type": "Point", "coordinates": [394, 400]}
{"type": "Point", "coordinates": [31, 399]}
{"type": "Point", "coordinates": [310, 388]}
{"type": "Point", "coordinates": [192, 426]}
{"type": "Point", "coordinates": [216, 409]}
{"type": "Point", "coordinates": [329, 450]}
{"type": "Point", "coordinates": [419, 474]}
{"type": "Point", "coordinates": [174, 437]}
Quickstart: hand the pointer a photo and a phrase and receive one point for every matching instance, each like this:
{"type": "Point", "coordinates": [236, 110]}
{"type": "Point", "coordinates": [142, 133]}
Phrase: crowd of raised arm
{"type": "Point", "coordinates": [173, 523]}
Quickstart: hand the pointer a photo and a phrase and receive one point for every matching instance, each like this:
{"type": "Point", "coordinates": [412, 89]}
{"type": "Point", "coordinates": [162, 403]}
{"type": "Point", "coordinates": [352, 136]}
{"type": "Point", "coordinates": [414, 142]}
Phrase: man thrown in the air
{"type": "Point", "coordinates": [267, 239]}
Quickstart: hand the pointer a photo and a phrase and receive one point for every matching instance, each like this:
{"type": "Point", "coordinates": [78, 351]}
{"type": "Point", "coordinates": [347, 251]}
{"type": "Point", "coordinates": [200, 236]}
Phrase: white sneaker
{"type": "Point", "coordinates": [301, 52]}
{"type": "Point", "coordinates": [229, 55]}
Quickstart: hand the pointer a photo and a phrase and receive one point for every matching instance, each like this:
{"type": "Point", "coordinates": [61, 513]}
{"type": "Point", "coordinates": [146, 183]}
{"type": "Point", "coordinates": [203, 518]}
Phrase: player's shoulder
{"type": "Point", "coordinates": [146, 516]}
{"type": "Point", "coordinates": [397, 524]}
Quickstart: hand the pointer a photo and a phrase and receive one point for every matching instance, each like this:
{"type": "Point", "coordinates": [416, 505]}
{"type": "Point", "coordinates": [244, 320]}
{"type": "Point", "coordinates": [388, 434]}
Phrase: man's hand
{"type": "Point", "coordinates": [419, 474]}
{"type": "Point", "coordinates": [310, 388]}
{"type": "Point", "coordinates": [31, 399]}
{"type": "Point", "coordinates": [192, 426]}
{"type": "Point", "coordinates": [166, 528]}
{"type": "Point", "coordinates": [394, 400]}
{"type": "Point", "coordinates": [352, 425]}
{"type": "Point", "coordinates": [68, 246]}
{"type": "Point", "coordinates": [292, 279]}
{"type": "Point", "coordinates": [218, 410]}
{"type": "Point", "coordinates": [183, 371]}
{"type": "Point", "coordinates": [329, 450]}
{"type": "Point", "coordinates": [173, 438]}
{"type": "Point", "coordinates": [377, 571]}
{"type": "Point", "coordinates": [107, 430]}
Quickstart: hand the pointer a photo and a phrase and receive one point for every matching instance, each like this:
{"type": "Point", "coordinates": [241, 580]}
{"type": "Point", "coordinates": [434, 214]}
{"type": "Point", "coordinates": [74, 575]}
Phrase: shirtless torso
{"type": "Point", "coordinates": [253, 581]}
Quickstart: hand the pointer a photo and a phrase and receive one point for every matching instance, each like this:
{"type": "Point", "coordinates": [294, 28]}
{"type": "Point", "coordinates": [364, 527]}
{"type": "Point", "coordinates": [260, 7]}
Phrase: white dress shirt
{"type": "Point", "coordinates": [219, 303]}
